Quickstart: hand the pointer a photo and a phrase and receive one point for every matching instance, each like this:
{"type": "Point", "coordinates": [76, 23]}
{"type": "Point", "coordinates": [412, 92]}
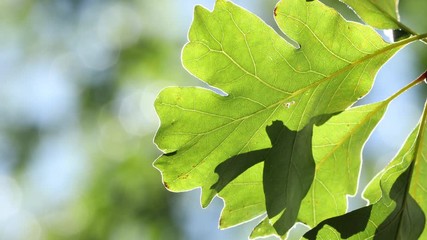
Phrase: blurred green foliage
{"type": "Point", "coordinates": [118, 194]}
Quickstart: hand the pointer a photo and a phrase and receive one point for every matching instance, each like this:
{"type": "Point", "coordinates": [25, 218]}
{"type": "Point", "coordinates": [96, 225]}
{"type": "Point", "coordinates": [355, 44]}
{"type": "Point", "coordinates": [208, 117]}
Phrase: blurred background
{"type": "Point", "coordinates": [77, 84]}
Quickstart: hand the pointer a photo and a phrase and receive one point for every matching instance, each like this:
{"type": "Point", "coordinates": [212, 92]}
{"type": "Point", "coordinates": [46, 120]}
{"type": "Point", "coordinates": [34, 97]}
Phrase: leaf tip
{"type": "Point", "coordinates": [221, 223]}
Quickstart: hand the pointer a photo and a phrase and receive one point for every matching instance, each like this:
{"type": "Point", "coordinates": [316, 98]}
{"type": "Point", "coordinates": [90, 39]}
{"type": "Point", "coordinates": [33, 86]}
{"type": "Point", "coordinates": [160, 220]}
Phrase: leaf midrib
{"type": "Point", "coordinates": [328, 78]}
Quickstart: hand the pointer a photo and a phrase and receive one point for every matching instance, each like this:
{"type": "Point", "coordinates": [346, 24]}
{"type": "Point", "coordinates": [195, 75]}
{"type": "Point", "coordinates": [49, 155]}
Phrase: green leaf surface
{"type": "Point", "coordinates": [264, 229]}
{"type": "Point", "coordinates": [418, 188]}
{"type": "Point", "coordinates": [267, 79]}
{"type": "Point", "coordinates": [336, 148]}
{"type": "Point", "coordinates": [288, 173]}
{"type": "Point", "coordinates": [397, 197]}
{"type": "Point", "coordinates": [382, 14]}
{"type": "Point", "coordinates": [416, 154]}
{"type": "Point", "coordinates": [340, 138]}
{"type": "Point", "coordinates": [396, 216]}
{"type": "Point", "coordinates": [206, 128]}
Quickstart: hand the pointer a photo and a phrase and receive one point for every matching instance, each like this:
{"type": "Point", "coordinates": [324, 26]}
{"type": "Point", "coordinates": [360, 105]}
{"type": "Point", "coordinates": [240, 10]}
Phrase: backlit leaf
{"type": "Point", "coordinates": [337, 147]}
{"type": "Point", "coordinates": [381, 14]}
{"type": "Point", "coordinates": [265, 80]}
{"type": "Point", "coordinates": [397, 199]}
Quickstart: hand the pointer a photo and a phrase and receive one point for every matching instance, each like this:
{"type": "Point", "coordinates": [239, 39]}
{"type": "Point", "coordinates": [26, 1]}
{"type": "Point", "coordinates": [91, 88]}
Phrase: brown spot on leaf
{"type": "Point", "coordinates": [166, 185]}
{"type": "Point", "coordinates": [275, 11]}
{"type": "Point", "coordinates": [184, 176]}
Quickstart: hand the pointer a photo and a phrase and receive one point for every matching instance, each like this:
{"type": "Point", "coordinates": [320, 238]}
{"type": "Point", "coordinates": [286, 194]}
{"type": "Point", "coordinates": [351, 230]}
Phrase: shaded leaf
{"type": "Point", "coordinates": [416, 153]}
{"type": "Point", "coordinates": [337, 147]}
{"type": "Point", "coordinates": [358, 218]}
{"type": "Point", "coordinates": [418, 188]}
{"type": "Point", "coordinates": [396, 217]}
{"type": "Point", "coordinates": [382, 14]}
{"type": "Point", "coordinates": [397, 197]}
{"type": "Point", "coordinates": [288, 174]}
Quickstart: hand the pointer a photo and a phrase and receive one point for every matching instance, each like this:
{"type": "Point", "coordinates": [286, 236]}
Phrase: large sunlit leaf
{"type": "Point", "coordinates": [395, 216]}
{"type": "Point", "coordinates": [287, 174]}
{"type": "Point", "coordinates": [418, 187]}
{"type": "Point", "coordinates": [381, 14]}
{"type": "Point", "coordinates": [397, 197]}
{"type": "Point", "coordinates": [266, 79]}
{"type": "Point", "coordinates": [337, 146]}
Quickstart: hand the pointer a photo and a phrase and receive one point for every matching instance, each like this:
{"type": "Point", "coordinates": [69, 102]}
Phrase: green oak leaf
{"type": "Point", "coordinates": [265, 79]}
{"type": "Point", "coordinates": [264, 229]}
{"type": "Point", "coordinates": [410, 154]}
{"type": "Point", "coordinates": [382, 14]}
{"type": "Point", "coordinates": [336, 149]}
{"type": "Point", "coordinates": [288, 172]}
{"type": "Point", "coordinates": [227, 50]}
{"type": "Point", "coordinates": [397, 199]}
{"type": "Point", "coordinates": [337, 145]}
{"type": "Point", "coordinates": [418, 188]}
{"type": "Point", "coordinates": [396, 216]}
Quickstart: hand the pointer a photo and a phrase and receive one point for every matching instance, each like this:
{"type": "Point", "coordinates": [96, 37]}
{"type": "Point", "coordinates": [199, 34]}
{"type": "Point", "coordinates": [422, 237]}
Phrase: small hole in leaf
{"type": "Point", "coordinates": [289, 104]}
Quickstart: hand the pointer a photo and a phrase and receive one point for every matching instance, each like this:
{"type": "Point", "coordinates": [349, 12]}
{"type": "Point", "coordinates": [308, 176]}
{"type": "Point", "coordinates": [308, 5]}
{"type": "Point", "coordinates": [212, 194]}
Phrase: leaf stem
{"type": "Point", "coordinates": [414, 38]}
{"type": "Point", "coordinates": [421, 78]}
{"type": "Point", "coordinates": [348, 67]}
{"type": "Point", "coordinates": [409, 30]}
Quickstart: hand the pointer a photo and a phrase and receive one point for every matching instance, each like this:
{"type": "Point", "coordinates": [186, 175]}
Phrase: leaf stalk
{"type": "Point", "coordinates": [415, 82]}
